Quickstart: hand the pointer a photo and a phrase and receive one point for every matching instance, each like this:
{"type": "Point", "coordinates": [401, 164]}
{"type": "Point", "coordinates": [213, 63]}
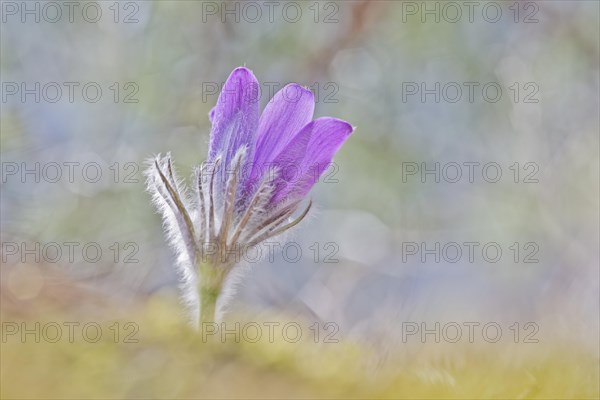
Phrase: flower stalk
{"type": "Point", "coordinates": [210, 285]}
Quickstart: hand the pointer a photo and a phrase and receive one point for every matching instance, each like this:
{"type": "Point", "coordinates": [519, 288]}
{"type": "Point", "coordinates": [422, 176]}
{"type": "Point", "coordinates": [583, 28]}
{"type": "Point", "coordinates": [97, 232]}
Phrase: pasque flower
{"type": "Point", "coordinates": [258, 172]}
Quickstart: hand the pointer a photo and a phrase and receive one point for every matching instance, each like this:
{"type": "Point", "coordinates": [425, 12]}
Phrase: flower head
{"type": "Point", "coordinates": [258, 171]}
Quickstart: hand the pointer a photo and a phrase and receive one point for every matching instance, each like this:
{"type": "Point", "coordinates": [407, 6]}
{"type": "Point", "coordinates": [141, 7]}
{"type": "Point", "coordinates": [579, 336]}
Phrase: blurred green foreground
{"type": "Point", "coordinates": [148, 352]}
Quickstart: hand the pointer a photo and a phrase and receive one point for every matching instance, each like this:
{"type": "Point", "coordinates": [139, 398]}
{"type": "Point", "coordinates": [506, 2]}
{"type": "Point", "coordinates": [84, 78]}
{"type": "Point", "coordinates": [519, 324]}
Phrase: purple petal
{"type": "Point", "coordinates": [289, 111]}
{"type": "Point", "coordinates": [235, 117]}
{"type": "Point", "coordinates": [323, 137]}
{"type": "Point", "coordinates": [289, 161]}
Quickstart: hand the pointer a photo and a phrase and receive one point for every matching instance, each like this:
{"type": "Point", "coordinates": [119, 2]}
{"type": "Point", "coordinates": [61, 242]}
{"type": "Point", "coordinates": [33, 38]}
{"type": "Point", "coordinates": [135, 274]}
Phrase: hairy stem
{"type": "Point", "coordinates": [209, 287]}
{"type": "Point", "coordinates": [210, 283]}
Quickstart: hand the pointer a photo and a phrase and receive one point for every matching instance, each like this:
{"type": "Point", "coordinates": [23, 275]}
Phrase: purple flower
{"type": "Point", "coordinates": [284, 140]}
{"type": "Point", "coordinates": [258, 171]}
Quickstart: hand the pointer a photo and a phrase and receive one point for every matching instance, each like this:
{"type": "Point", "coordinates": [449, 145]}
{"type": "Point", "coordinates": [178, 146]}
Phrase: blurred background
{"type": "Point", "coordinates": [505, 90]}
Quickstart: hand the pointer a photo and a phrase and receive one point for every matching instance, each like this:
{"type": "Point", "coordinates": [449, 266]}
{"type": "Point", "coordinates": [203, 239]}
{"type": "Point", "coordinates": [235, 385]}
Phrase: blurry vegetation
{"type": "Point", "coordinates": [166, 359]}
